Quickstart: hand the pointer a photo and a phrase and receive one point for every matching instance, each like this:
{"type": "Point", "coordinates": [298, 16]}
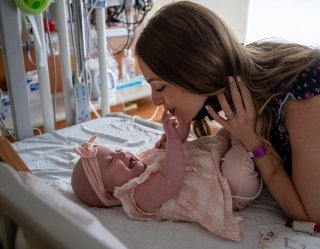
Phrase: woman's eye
{"type": "Point", "coordinates": [160, 89]}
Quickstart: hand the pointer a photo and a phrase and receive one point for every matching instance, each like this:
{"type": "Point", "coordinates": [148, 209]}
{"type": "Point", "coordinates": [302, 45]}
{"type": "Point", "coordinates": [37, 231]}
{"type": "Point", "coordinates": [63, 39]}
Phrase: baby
{"type": "Point", "coordinates": [182, 182]}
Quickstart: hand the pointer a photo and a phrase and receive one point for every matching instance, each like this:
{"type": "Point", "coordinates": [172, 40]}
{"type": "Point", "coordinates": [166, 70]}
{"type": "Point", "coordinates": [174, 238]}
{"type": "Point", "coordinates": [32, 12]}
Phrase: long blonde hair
{"type": "Point", "coordinates": [189, 46]}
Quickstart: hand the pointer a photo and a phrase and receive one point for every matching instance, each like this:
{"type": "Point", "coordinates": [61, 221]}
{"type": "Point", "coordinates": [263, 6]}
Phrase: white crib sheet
{"type": "Point", "coordinates": [51, 158]}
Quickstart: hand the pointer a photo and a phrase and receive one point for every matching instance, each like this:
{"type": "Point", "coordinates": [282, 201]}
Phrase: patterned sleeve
{"type": "Point", "coordinates": [307, 84]}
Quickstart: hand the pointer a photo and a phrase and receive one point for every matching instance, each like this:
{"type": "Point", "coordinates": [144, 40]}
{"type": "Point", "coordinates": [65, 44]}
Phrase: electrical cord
{"type": "Point", "coordinates": [130, 35]}
{"type": "Point", "coordinates": [140, 9]}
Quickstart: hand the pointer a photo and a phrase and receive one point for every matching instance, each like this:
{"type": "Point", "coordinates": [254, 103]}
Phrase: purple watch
{"type": "Point", "coordinates": [258, 152]}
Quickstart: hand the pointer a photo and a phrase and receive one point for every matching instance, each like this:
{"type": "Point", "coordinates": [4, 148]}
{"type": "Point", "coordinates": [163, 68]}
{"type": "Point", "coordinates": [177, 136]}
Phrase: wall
{"type": "Point", "coordinates": [291, 20]}
{"type": "Point", "coordinates": [252, 20]}
{"type": "Point", "coordinates": [233, 12]}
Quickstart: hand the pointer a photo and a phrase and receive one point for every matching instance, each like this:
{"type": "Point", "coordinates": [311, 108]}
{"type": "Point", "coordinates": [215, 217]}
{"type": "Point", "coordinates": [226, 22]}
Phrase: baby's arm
{"type": "Point", "coordinates": [163, 185]}
{"type": "Point", "coordinates": [183, 130]}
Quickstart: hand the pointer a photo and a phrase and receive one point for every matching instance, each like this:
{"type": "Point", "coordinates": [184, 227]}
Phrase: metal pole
{"type": "Point", "coordinates": [66, 71]}
{"type": "Point", "coordinates": [80, 39]}
{"type": "Point", "coordinates": [15, 70]}
{"type": "Point", "coordinates": [43, 74]}
{"type": "Point", "coordinates": [103, 66]}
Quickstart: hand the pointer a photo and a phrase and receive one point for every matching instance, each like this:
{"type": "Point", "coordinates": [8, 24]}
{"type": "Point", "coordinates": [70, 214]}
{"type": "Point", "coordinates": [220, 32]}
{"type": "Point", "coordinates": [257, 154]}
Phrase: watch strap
{"type": "Point", "coordinates": [258, 152]}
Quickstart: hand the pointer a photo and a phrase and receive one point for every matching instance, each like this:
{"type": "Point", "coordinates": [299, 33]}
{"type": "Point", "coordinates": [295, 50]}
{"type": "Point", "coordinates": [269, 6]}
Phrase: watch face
{"type": "Point", "coordinates": [214, 103]}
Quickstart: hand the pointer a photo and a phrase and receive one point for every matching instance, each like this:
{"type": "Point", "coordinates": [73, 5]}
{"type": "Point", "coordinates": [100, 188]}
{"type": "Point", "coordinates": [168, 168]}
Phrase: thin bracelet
{"type": "Point", "coordinates": [258, 152]}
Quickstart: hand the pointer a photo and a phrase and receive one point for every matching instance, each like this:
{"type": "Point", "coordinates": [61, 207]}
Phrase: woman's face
{"type": "Point", "coordinates": [118, 167]}
{"type": "Point", "coordinates": [179, 102]}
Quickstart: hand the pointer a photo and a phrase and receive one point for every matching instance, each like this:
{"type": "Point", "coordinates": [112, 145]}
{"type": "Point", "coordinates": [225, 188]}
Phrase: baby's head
{"type": "Point", "coordinates": [99, 170]}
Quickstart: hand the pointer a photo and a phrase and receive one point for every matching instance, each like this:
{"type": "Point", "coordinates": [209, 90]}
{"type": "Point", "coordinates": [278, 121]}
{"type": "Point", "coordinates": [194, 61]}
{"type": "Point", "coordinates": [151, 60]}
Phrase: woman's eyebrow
{"type": "Point", "coordinates": [152, 79]}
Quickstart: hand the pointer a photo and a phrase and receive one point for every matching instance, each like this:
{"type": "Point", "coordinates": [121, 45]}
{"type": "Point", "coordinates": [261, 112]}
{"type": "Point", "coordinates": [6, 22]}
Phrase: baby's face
{"type": "Point", "coordinates": [118, 167]}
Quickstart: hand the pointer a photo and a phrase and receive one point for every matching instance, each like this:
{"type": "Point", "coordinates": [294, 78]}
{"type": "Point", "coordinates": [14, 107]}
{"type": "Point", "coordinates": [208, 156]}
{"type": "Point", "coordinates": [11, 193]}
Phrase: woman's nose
{"type": "Point", "coordinates": [156, 99]}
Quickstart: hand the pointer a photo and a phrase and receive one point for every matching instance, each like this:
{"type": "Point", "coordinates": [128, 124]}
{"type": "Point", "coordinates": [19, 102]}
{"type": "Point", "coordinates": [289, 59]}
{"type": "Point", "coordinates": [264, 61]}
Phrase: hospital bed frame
{"type": "Point", "coordinates": [40, 228]}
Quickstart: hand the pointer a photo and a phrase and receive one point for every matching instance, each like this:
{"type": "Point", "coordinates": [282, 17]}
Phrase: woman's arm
{"type": "Point", "coordinates": [302, 120]}
{"type": "Point", "coordinates": [298, 197]}
{"type": "Point", "coordinates": [163, 185]}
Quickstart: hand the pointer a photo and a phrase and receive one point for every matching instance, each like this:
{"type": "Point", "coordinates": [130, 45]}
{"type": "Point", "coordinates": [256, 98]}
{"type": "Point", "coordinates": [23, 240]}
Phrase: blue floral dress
{"type": "Point", "coordinates": [305, 86]}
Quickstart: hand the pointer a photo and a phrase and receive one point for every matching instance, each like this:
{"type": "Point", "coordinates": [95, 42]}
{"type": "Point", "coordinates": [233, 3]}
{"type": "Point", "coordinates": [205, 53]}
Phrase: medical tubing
{"type": "Point", "coordinates": [72, 34]}
{"type": "Point", "coordinates": [88, 39]}
{"type": "Point", "coordinates": [121, 100]}
{"type": "Point", "coordinates": [94, 109]}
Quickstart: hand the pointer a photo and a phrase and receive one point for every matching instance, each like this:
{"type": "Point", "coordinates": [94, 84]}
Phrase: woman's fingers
{"type": "Point", "coordinates": [237, 98]}
{"type": "Point", "coordinates": [216, 115]}
{"type": "Point", "coordinates": [246, 96]}
{"type": "Point", "coordinates": [224, 104]}
{"type": "Point", "coordinates": [242, 102]}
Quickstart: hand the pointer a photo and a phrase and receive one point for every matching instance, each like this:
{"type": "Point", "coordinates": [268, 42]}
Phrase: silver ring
{"type": "Point", "coordinates": [230, 116]}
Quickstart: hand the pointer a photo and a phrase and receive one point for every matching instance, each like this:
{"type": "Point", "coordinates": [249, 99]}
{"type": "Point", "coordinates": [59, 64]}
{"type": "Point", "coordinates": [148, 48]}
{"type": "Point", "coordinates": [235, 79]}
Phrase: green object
{"type": "Point", "coordinates": [33, 6]}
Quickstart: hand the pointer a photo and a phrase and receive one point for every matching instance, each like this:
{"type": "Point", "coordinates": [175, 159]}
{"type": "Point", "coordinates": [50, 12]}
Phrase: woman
{"type": "Point", "coordinates": [269, 92]}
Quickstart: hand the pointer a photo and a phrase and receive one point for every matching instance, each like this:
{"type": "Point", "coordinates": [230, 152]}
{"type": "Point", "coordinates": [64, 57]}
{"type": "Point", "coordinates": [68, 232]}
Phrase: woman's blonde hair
{"type": "Point", "coordinates": [189, 46]}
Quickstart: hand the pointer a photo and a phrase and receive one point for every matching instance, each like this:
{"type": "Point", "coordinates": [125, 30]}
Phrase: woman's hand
{"type": "Point", "coordinates": [241, 122]}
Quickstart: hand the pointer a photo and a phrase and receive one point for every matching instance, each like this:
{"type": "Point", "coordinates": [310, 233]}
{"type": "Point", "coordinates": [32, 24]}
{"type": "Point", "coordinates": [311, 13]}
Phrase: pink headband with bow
{"type": "Point", "coordinates": [88, 152]}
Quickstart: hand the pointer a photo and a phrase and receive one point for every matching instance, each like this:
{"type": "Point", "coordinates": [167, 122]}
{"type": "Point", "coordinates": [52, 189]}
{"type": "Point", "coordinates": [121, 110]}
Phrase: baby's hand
{"type": "Point", "coordinates": [161, 144]}
{"type": "Point", "coordinates": [170, 124]}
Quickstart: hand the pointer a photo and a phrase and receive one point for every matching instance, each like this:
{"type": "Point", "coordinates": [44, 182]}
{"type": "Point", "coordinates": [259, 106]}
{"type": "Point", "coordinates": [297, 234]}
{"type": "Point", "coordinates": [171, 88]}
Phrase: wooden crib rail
{"type": "Point", "coordinates": [10, 156]}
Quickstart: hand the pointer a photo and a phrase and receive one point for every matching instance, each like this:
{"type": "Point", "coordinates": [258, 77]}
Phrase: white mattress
{"type": "Point", "coordinates": [51, 158]}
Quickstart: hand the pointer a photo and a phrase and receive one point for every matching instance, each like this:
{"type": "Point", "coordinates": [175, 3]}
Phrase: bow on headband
{"type": "Point", "coordinates": [87, 149]}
